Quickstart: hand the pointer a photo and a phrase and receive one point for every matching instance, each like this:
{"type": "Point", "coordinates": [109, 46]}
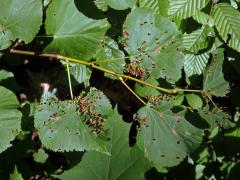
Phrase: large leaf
{"type": "Point", "coordinates": [19, 19]}
{"type": "Point", "coordinates": [74, 34]}
{"type": "Point", "coordinates": [153, 43]}
{"type": "Point", "coordinates": [183, 9]}
{"type": "Point", "coordinates": [226, 19]}
{"type": "Point", "coordinates": [64, 126]}
{"type": "Point", "coordinates": [195, 64]}
{"type": "Point", "coordinates": [10, 118]}
{"type": "Point", "coordinates": [166, 138]}
{"type": "Point", "coordinates": [197, 40]}
{"type": "Point", "coordinates": [121, 4]}
{"type": "Point", "coordinates": [213, 79]}
{"type": "Point", "coordinates": [124, 163]}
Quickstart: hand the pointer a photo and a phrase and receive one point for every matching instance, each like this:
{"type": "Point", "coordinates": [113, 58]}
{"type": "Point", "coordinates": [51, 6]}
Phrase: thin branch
{"type": "Point", "coordinates": [94, 66]}
{"type": "Point", "coordinates": [140, 99]}
{"type": "Point", "coordinates": [69, 80]}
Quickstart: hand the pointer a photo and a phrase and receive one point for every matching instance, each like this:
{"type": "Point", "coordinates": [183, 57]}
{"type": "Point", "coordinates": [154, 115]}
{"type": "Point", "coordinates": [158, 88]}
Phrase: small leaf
{"type": "Point", "coordinates": [101, 4]}
{"type": "Point", "coordinates": [19, 19]}
{"type": "Point", "coordinates": [15, 175]}
{"type": "Point", "coordinates": [79, 74]}
{"type": "Point", "coordinates": [145, 91]}
{"type": "Point", "coordinates": [194, 101]}
{"type": "Point", "coordinates": [40, 156]}
{"type": "Point", "coordinates": [178, 100]}
{"type": "Point", "coordinates": [10, 118]}
{"type": "Point", "coordinates": [166, 138]}
{"type": "Point", "coordinates": [216, 118]}
{"type": "Point", "coordinates": [74, 34]}
{"type": "Point", "coordinates": [195, 64]}
{"type": "Point", "coordinates": [5, 75]}
{"type": "Point", "coordinates": [233, 133]}
{"type": "Point", "coordinates": [213, 79]}
{"type": "Point", "coordinates": [124, 162]}
{"type": "Point", "coordinates": [121, 4]}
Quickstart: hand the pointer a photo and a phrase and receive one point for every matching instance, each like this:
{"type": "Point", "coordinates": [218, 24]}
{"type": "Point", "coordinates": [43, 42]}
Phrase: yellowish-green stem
{"type": "Point", "coordinates": [108, 71]}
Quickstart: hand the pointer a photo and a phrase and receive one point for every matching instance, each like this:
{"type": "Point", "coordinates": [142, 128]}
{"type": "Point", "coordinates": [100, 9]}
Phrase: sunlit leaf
{"type": "Point", "coordinates": [124, 162]}
{"type": "Point", "coordinates": [65, 126]}
{"type": "Point", "coordinates": [19, 19]}
{"type": "Point", "coordinates": [10, 118]}
{"type": "Point", "coordinates": [74, 34]}
{"type": "Point", "coordinates": [153, 43]}
{"type": "Point", "coordinates": [166, 137]}
{"type": "Point", "coordinates": [226, 20]}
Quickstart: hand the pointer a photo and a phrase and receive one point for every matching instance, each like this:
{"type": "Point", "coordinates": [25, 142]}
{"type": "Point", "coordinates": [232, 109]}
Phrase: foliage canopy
{"type": "Point", "coordinates": [119, 89]}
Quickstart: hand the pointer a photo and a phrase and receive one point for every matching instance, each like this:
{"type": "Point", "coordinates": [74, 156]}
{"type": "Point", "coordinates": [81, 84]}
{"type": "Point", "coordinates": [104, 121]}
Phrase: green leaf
{"type": "Point", "coordinates": [145, 91]}
{"type": "Point", "coordinates": [194, 101]}
{"type": "Point", "coordinates": [109, 56]}
{"type": "Point", "coordinates": [233, 133]}
{"type": "Point", "coordinates": [216, 118]}
{"type": "Point", "coordinates": [79, 74]}
{"type": "Point", "coordinates": [197, 40]}
{"type": "Point", "coordinates": [40, 156]}
{"type": "Point", "coordinates": [66, 126]}
{"type": "Point", "coordinates": [153, 43]}
{"type": "Point", "coordinates": [15, 175]}
{"type": "Point", "coordinates": [74, 34]}
{"type": "Point", "coordinates": [178, 100]}
{"type": "Point", "coordinates": [10, 118]}
{"type": "Point", "coordinates": [195, 64]}
{"type": "Point", "coordinates": [124, 163]}
{"type": "Point", "coordinates": [183, 9]}
{"type": "Point", "coordinates": [213, 79]}
{"type": "Point", "coordinates": [153, 5]}
{"type": "Point", "coordinates": [101, 4]}
{"type": "Point", "coordinates": [203, 18]}
{"type": "Point", "coordinates": [5, 75]}
{"type": "Point", "coordinates": [234, 4]}
{"type": "Point", "coordinates": [121, 4]}
{"type": "Point", "coordinates": [226, 20]}
{"type": "Point", "coordinates": [19, 19]}
{"type": "Point", "coordinates": [167, 137]}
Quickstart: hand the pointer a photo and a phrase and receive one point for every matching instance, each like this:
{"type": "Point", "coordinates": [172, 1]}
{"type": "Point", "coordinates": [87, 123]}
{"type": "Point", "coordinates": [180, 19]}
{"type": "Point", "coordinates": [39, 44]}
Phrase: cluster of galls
{"type": "Point", "coordinates": [135, 70]}
{"type": "Point", "coordinates": [92, 118]}
{"type": "Point", "coordinates": [157, 99]}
